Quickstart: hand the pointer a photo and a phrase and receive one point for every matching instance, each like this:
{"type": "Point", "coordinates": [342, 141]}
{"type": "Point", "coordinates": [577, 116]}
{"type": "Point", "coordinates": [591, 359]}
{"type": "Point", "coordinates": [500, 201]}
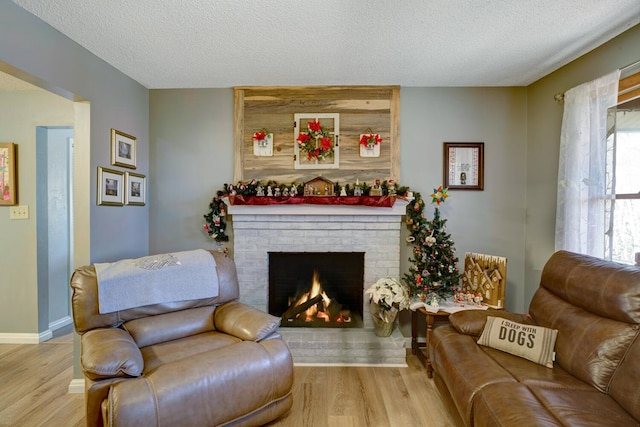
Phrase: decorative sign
{"type": "Point", "coordinates": [485, 275]}
{"type": "Point", "coordinates": [264, 146]}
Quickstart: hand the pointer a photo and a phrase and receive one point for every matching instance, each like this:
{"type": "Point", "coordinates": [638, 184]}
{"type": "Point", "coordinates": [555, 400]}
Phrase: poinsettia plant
{"type": "Point", "coordinates": [316, 141]}
{"type": "Point", "coordinates": [370, 140]}
{"type": "Point", "coordinates": [260, 135]}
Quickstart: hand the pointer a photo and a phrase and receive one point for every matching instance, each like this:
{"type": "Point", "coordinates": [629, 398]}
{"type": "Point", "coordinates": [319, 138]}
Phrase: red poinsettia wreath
{"type": "Point", "coordinates": [316, 142]}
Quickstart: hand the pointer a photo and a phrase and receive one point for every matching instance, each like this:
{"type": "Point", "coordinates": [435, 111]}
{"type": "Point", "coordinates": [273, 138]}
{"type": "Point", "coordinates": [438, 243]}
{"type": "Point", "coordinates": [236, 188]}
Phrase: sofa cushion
{"type": "Point", "coordinates": [588, 346]}
{"type": "Point", "coordinates": [583, 407]}
{"type": "Point", "coordinates": [168, 352]}
{"type": "Point", "coordinates": [109, 353]}
{"type": "Point", "coordinates": [463, 366]}
{"type": "Point", "coordinates": [534, 343]}
{"type": "Point", "coordinates": [170, 326]}
{"type": "Point", "coordinates": [510, 404]}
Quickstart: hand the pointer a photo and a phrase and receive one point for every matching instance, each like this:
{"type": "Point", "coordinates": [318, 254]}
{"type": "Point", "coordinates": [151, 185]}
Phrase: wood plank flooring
{"type": "Point", "coordinates": [34, 379]}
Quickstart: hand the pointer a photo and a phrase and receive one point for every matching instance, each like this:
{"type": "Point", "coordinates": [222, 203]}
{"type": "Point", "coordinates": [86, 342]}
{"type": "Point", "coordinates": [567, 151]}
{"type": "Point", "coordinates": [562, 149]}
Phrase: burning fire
{"type": "Point", "coordinates": [322, 307]}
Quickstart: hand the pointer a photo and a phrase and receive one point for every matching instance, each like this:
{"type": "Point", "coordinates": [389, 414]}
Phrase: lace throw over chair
{"type": "Point", "coordinates": [199, 362]}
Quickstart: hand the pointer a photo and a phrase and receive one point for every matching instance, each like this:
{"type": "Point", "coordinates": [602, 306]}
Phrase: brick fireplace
{"type": "Point", "coordinates": [258, 230]}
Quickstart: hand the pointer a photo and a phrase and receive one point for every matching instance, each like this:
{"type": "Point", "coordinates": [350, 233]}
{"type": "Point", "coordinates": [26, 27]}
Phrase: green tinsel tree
{"type": "Point", "coordinates": [435, 265]}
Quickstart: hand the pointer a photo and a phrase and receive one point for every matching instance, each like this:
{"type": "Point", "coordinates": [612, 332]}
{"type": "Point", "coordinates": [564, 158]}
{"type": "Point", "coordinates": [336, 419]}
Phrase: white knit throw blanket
{"type": "Point", "coordinates": [156, 279]}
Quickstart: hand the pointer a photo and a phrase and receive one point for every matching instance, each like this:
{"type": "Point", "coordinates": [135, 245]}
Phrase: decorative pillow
{"type": "Point", "coordinates": [534, 343]}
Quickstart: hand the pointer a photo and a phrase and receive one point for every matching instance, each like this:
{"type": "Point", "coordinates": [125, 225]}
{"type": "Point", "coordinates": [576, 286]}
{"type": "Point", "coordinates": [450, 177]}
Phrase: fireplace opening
{"type": "Point", "coordinates": [317, 289]}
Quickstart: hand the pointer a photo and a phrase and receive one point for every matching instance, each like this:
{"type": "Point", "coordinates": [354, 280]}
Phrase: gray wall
{"type": "Point", "coordinates": [192, 157]}
{"type": "Point", "coordinates": [116, 101]}
{"type": "Point", "coordinates": [543, 142]}
{"type": "Point", "coordinates": [37, 53]}
{"type": "Point", "coordinates": [489, 221]}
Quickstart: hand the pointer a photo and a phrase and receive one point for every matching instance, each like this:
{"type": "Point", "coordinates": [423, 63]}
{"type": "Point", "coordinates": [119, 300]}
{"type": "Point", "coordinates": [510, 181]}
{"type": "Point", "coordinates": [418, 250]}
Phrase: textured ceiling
{"type": "Point", "coordinates": [224, 43]}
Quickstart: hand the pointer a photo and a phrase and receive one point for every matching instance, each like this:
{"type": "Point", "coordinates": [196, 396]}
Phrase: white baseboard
{"type": "Point", "coordinates": [60, 323]}
{"type": "Point", "coordinates": [9, 338]}
{"type": "Point", "coordinates": [76, 386]}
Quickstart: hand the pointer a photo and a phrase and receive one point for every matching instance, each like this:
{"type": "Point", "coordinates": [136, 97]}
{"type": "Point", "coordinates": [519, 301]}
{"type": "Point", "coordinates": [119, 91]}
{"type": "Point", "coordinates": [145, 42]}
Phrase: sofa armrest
{"type": "Point", "coordinates": [471, 322]}
{"type": "Point", "coordinates": [110, 353]}
{"type": "Point", "coordinates": [244, 322]}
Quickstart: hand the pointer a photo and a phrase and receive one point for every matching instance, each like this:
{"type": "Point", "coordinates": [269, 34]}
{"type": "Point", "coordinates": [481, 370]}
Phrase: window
{"type": "Point", "coordinates": [623, 210]}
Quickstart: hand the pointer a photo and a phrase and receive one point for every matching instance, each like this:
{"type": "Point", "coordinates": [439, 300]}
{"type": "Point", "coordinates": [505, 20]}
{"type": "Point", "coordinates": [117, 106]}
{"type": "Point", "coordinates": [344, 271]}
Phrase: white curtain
{"type": "Point", "coordinates": [582, 193]}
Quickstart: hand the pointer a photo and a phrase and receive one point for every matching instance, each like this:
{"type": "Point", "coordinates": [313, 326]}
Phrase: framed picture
{"type": "Point", "coordinates": [8, 182]}
{"type": "Point", "coordinates": [463, 166]}
{"type": "Point", "coordinates": [136, 191]}
{"type": "Point", "coordinates": [110, 187]}
{"type": "Point", "coordinates": [123, 149]}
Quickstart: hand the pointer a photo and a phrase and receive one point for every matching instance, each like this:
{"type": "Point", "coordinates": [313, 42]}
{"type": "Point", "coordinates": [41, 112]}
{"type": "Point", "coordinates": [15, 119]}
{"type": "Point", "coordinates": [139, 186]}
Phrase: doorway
{"type": "Point", "coordinates": [54, 213]}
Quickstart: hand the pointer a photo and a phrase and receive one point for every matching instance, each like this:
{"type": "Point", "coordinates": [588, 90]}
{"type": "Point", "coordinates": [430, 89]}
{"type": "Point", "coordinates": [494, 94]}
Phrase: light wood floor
{"type": "Point", "coordinates": [34, 380]}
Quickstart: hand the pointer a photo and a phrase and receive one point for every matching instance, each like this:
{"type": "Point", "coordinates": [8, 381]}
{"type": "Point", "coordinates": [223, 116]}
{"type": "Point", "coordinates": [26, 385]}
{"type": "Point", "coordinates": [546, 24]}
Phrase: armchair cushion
{"type": "Point", "coordinates": [164, 327]}
{"type": "Point", "coordinates": [110, 353]}
{"type": "Point", "coordinates": [244, 322]}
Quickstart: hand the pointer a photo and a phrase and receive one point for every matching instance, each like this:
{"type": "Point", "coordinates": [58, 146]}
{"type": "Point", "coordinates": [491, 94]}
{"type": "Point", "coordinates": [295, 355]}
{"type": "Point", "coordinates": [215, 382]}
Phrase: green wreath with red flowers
{"type": "Point", "coordinates": [316, 142]}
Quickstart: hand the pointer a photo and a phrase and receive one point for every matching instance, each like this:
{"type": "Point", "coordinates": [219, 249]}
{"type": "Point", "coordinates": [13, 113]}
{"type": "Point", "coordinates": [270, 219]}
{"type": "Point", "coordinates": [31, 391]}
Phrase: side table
{"type": "Point", "coordinates": [431, 319]}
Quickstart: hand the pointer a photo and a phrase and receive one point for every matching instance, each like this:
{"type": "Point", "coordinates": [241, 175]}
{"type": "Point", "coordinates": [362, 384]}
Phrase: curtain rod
{"type": "Point", "coordinates": [559, 97]}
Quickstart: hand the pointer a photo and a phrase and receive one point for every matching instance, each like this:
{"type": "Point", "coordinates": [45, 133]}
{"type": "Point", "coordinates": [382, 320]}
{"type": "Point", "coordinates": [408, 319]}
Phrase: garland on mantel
{"type": "Point", "coordinates": [215, 224]}
{"type": "Point", "coordinates": [417, 281]}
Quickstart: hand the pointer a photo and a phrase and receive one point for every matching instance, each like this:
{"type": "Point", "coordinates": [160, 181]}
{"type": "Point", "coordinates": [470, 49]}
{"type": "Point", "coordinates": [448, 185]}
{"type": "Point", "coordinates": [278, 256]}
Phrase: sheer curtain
{"type": "Point", "coordinates": [582, 193]}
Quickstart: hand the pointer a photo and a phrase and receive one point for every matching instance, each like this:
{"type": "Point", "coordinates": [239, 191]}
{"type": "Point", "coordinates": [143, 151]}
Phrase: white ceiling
{"type": "Point", "coordinates": [224, 43]}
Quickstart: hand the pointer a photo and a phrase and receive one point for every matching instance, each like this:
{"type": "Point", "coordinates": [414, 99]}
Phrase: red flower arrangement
{"type": "Point", "coordinates": [370, 140]}
{"type": "Point", "coordinates": [259, 136]}
{"type": "Point", "coordinates": [316, 142]}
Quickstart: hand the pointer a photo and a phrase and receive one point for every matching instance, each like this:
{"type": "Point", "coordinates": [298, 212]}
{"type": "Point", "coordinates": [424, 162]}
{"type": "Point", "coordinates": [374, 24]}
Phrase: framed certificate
{"type": "Point", "coordinates": [463, 166]}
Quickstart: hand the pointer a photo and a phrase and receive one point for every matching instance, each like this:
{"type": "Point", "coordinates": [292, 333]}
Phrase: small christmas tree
{"type": "Point", "coordinates": [435, 265]}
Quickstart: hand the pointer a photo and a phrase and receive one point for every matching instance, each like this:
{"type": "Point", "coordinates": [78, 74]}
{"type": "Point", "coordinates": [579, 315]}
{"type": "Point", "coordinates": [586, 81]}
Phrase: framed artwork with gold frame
{"type": "Point", "coordinates": [110, 187]}
{"type": "Point", "coordinates": [123, 149]}
{"type": "Point", "coordinates": [8, 176]}
{"type": "Point", "coordinates": [136, 191]}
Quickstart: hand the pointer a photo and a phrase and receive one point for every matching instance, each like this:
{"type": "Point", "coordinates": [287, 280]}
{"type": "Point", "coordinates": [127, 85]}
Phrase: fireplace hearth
{"type": "Point", "coordinates": [317, 289]}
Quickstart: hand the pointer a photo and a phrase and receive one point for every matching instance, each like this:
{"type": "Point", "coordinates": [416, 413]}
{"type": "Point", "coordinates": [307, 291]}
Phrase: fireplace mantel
{"type": "Point", "coordinates": [398, 208]}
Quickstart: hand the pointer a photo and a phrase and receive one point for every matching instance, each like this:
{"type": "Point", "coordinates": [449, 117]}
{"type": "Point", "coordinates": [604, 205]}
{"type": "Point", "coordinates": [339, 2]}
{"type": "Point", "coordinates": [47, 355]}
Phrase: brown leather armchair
{"type": "Point", "coordinates": [204, 362]}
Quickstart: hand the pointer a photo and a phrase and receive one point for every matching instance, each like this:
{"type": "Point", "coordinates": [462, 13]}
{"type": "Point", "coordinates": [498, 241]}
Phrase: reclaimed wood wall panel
{"type": "Point", "coordinates": [360, 107]}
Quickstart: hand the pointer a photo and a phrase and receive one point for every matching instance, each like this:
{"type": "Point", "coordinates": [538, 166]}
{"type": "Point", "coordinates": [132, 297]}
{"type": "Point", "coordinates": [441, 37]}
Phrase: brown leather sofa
{"type": "Point", "coordinates": [595, 379]}
{"type": "Point", "coordinates": [193, 363]}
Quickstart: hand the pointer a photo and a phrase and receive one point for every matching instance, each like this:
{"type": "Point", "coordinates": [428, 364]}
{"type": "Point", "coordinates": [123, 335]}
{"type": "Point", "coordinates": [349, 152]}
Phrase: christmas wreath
{"type": "Point", "coordinates": [316, 141]}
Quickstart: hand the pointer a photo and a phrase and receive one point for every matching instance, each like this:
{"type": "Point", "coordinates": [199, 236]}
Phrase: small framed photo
{"type": "Point", "coordinates": [8, 176]}
{"type": "Point", "coordinates": [463, 166]}
{"type": "Point", "coordinates": [110, 187]}
{"type": "Point", "coordinates": [123, 149]}
{"type": "Point", "coordinates": [136, 192]}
